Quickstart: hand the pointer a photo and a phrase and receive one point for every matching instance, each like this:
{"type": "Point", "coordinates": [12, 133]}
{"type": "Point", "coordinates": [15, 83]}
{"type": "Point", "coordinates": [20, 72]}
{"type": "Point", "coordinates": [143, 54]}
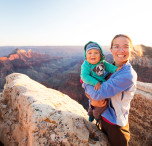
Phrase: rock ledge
{"type": "Point", "coordinates": [31, 114]}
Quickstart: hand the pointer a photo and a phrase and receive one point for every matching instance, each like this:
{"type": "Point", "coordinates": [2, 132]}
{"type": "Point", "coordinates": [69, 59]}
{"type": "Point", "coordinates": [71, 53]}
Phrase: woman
{"type": "Point", "coordinates": [119, 89]}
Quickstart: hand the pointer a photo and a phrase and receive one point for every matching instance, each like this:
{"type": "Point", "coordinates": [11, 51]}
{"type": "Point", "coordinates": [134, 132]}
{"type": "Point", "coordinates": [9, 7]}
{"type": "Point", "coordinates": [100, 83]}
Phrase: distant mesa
{"type": "Point", "coordinates": [22, 58]}
{"type": "Point", "coordinates": [17, 51]}
{"type": "Point", "coordinates": [38, 66]}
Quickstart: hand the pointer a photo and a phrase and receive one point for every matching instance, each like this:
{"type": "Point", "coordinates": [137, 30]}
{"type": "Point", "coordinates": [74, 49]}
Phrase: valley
{"type": "Point", "coordinates": [59, 67]}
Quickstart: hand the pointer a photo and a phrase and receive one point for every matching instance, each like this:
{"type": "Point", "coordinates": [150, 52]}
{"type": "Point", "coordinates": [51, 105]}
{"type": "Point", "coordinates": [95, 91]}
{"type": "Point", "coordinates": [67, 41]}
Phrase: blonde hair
{"type": "Point", "coordinates": [135, 51]}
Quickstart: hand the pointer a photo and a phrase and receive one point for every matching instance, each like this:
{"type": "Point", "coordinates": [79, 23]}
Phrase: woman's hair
{"type": "Point", "coordinates": [135, 51]}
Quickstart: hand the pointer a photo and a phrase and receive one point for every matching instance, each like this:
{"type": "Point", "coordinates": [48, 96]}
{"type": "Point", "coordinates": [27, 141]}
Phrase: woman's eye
{"type": "Point", "coordinates": [126, 47]}
{"type": "Point", "coordinates": [115, 47]}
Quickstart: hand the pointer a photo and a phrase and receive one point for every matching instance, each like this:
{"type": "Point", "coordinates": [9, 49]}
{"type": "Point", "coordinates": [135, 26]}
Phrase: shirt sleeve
{"type": "Point", "coordinates": [109, 67]}
{"type": "Point", "coordinates": [114, 85]}
{"type": "Point", "coordinates": [86, 75]}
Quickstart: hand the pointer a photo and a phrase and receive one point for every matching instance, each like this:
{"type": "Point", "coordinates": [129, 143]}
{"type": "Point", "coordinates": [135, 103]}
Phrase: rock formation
{"type": "Point", "coordinates": [143, 65]}
{"type": "Point", "coordinates": [26, 62]}
{"type": "Point", "coordinates": [140, 118]}
{"type": "Point", "coordinates": [33, 115]}
{"type": "Point", "coordinates": [21, 58]}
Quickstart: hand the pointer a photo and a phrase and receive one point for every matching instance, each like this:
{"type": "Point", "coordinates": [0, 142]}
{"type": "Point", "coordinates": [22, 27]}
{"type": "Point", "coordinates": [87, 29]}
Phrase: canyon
{"type": "Point", "coordinates": [59, 67]}
{"type": "Point", "coordinates": [60, 71]}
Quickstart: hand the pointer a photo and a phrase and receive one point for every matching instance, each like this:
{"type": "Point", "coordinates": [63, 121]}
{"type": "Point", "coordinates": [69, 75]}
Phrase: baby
{"type": "Point", "coordinates": [92, 72]}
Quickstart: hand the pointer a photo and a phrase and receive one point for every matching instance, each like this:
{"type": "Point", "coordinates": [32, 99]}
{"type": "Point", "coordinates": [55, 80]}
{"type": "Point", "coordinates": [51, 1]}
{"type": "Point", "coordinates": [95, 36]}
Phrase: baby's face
{"type": "Point", "coordinates": [93, 56]}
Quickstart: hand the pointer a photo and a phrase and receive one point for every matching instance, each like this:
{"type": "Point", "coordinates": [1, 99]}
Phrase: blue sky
{"type": "Point", "coordinates": [73, 22]}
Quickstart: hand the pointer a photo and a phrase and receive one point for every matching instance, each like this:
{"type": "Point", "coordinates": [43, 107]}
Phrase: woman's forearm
{"type": "Point", "coordinates": [109, 88]}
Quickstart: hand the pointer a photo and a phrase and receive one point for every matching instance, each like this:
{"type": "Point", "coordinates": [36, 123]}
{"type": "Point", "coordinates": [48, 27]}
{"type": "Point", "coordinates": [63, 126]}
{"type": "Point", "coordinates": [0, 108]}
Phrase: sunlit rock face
{"type": "Point", "coordinates": [140, 118]}
{"type": "Point", "coordinates": [33, 115]}
{"type": "Point", "coordinates": [22, 58]}
{"type": "Point", "coordinates": [26, 62]}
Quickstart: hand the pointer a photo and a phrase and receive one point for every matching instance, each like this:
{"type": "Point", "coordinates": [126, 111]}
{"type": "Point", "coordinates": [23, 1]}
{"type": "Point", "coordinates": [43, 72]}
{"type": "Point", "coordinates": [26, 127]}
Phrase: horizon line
{"type": "Point", "coordinates": [55, 45]}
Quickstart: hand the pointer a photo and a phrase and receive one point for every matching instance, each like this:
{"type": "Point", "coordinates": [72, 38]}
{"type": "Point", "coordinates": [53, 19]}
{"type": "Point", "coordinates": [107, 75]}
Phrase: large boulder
{"type": "Point", "coordinates": [33, 115]}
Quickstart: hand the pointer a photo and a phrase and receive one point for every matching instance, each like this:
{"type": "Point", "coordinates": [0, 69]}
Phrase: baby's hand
{"type": "Point", "coordinates": [97, 86]}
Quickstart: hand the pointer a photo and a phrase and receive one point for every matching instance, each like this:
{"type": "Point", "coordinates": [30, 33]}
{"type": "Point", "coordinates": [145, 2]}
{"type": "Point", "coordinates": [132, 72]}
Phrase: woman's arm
{"type": "Point", "coordinates": [110, 67]}
{"type": "Point", "coordinates": [119, 81]}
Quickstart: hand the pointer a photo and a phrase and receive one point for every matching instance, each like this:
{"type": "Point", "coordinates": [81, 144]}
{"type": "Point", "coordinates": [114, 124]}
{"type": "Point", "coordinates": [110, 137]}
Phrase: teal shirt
{"type": "Point", "coordinates": [90, 77]}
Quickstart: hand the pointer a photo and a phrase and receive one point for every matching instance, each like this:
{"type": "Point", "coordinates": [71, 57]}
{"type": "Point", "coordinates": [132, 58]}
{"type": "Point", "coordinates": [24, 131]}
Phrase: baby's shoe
{"type": "Point", "coordinates": [91, 119]}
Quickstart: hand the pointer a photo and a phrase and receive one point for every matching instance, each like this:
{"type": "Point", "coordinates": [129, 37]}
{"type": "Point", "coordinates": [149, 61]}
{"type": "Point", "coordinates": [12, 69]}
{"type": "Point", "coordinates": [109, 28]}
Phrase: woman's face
{"type": "Point", "coordinates": [121, 50]}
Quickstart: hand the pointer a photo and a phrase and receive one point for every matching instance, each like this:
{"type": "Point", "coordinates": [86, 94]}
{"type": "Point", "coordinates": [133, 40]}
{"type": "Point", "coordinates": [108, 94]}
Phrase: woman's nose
{"type": "Point", "coordinates": [121, 49]}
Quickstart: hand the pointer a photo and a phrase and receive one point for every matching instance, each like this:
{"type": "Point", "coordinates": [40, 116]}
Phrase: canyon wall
{"type": "Point", "coordinates": [140, 118]}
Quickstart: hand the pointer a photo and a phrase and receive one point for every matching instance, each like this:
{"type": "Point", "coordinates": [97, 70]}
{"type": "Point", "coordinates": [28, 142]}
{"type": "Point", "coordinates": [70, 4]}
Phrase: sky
{"type": "Point", "coordinates": [74, 22]}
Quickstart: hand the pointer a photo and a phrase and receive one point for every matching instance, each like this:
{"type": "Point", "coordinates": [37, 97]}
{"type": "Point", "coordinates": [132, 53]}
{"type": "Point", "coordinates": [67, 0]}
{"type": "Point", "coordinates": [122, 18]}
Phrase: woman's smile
{"type": "Point", "coordinates": [121, 56]}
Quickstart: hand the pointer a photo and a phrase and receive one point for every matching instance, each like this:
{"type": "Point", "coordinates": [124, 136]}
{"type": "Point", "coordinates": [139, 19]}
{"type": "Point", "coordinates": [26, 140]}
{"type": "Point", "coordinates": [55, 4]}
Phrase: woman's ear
{"type": "Point", "coordinates": [111, 50]}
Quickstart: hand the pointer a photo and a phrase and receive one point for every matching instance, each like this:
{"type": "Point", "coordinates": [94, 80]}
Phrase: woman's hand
{"type": "Point", "coordinates": [97, 86]}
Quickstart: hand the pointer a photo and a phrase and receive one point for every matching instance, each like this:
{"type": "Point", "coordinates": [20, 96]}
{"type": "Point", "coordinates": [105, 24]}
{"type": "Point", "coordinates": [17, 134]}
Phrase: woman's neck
{"type": "Point", "coordinates": [118, 64]}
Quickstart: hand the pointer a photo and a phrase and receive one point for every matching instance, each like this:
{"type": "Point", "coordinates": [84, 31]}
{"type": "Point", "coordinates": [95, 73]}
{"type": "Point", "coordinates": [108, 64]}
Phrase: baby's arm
{"type": "Point", "coordinates": [86, 75]}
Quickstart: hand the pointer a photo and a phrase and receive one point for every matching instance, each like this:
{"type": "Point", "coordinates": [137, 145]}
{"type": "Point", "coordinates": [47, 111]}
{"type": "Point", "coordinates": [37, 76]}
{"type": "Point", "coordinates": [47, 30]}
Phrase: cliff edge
{"type": "Point", "coordinates": [31, 114]}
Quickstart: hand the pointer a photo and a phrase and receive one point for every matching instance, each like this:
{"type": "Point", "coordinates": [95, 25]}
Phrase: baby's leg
{"type": "Point", "coordinates": [97, 111]}
{"type": "Point", "coordinates": [90, 113]}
